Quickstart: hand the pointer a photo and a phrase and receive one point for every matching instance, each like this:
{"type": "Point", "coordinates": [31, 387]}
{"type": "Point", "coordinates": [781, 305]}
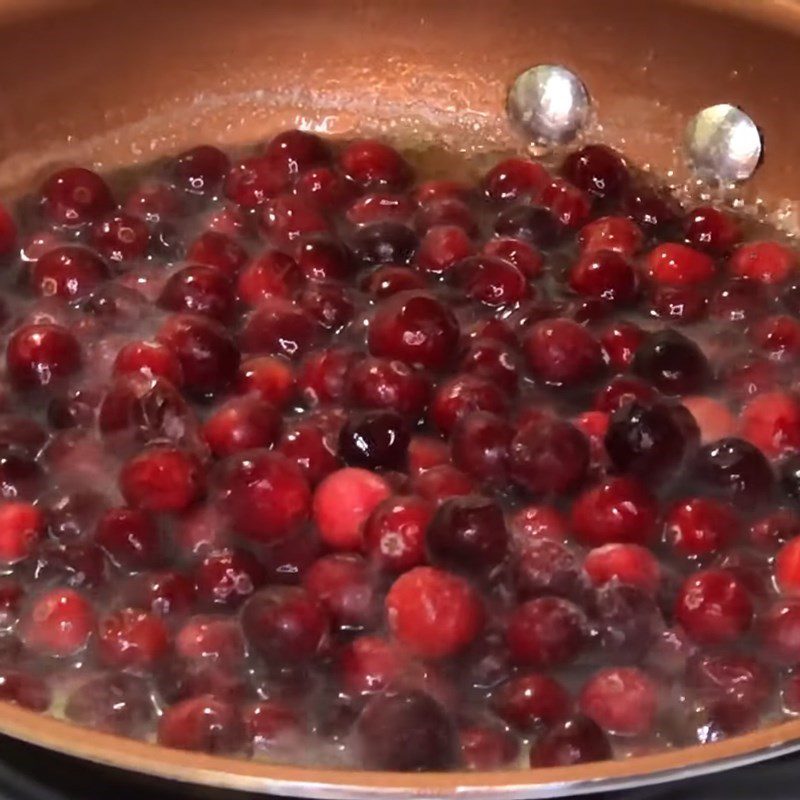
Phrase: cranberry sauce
{"type": "Point", "coordinates": [307, 458]}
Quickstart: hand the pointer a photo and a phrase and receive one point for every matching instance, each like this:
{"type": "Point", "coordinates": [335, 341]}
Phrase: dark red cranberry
{"type": "Point", "coordinates": [323, 376]}
{"type": "Point", "coordinates": [219, 251]}
{"type": "Point", "coordinates": [151, 359]}
{"type": "Point", "coordinates": [486, 746]}
{"type": "Point", "coordinates": [526, 258]}
{"type": "Point", "coordinates": [21, 434]}
{"type": "Point", "coordinates": [531, 702]}
{"type": "Point", "coordinates": [384, 243]}
{"type": "Point", "coordinates": [414, 327]}
{"type": "Point", "coordinates": [774, 530]}
{"type": "Point", "coordinates": [162, 478]}
{"type": "Point", "coordinates": [462, 395]}
{"type": "Point", "coordinates": [272, 724]}
{"type": "Point", "coordinates": [165, 593]}
{"type": "Point", "coordinates": [154, 201]}
{"type": "Point", "coordinates": [72, 515]}
{"type": "Point", "coordinates": [711, 229]}
{"type": "Point", "coordinates": [73, 196]}
{"type": "Point", "coordinates": [493, 360]}
{"type": "Point", "coordinates": [380, 207]}
{"type": "Point", "coordinates": [121, 237]}
{"type": "Point", "coordinates": [210, 638]}
{"type": "Point", "coordinates": [112, 703]}
{"type": "Point", "coordinates": [767, 263]}
{"type": "Point", "coordinates": [621, 700]}
{"type": "Point", "coordinates": [368, 162]}
{"type": "Point", "coordinates": [779, 631]}
{"type": "Point", "coordinates": [547, 567]}
{"type": "Point", "coordinates": [605, 274]}
{"type": "Point", "coordinates": [129, 537]}
{"type": "Point", "coordinates": [207, 354]}
{"type": "Point", "coordinates": [265, 495]}
{"type": "Point", "coordinates": [650, 440]}
{"type": "Point", "coordinates": [733, 678]}
{"type": "Point", "coordinates": [569, 205]}
{"type": "Point", "coordinates": [490, 280]}
{"type": "Point", "coordinates": [326, 188]}
{"type": "Point", "coordinates": [69, 272]}
{"type": "Point", "coordinates": [746, 377]}
{"type": "Point", "coordinates": [41, 355]}
{"type": "Point", "coordinates": [20, 476]}
{"type": "Point", "coordinates": [575, 741]}
{"type": "Point", "coordinates": [343, 584]}
{"type": "Point", "coordinates": [620, 342]}
{"type": "Point", "coordinates": [295, 151]}
{"type": "Point", "coordinates": [515, 178]}
{"type": "Point", "coordinates": [199, 290]}
{"type": "Point", "coordinates": [280, 327]}
{"type": "Point", "coordinates": [562, 352]}
{"type": "Point", "coordinates": [546, 632]}
{"type": "Point", "coordinates": [446, 211]}
{"type": "Point", "coordinates": [381, 383]}
{"type": "Point", "coordinates": [624, 389]}
{"type": "Point", "coordinates": [468, 533]}
{"type": "Point", "coordinates": [395, 533]}
{"type": "Point", "coordinates": [532, 224]}
{"type": "Point", "coordinates": [374, 440]}
{"type": "Point", "coordinates": [323, 258]}
{"type": "Point", "coordinates": [286, 623]}
{"type": "Point", "coordinates": [201, 169]}
{"type": "Point", "coordinates": [597, 169]}
{"type": "Point", "coordinates": [270, 273]}
{"type": "Point", "coordinates": [75, 564]}
{"type": "Point", "coordinates": [285, 218]}
{"type": "Point", "coordinates": [735, 470]}
{"type": "Point", "coordinates": [252, 181]}
{"type": "Point", "coordinates": [329, 304]}
{"type": "Point", "coordinates": [442, 247]}
{"type": "Point", "coordinates": [549, 456]}
{"type": "Point", "coordinates": [655, 212]}
{"type": "Point", "coordinates": [203, 724]}
{"type": "Point", "coordinates": [679, 304]}
{"type": "Point", "coordinates": [132, 638]}
{"type": "Point", "coordinates": [388, 280]}
{"type": "Point", "coordinates": [480, 443]}
{"type": "Point", "coordinates": [673, 363]}
{"type": "Point", "coordinates": [22, 689]}
{"type": "Point", "coordinates": [407, 732]}
{"type": "Point", "coordinates": [778, 336]}
{"type": "Point", "coordinates": [286, 561]}
{"type": "Point", "coordinates": [440, 188]}
{"type": "Point", "coordinates": [628, 621]}
{"type": "Point", "coordinates": [443, 481]}
{"type": "Point", "coordinates": [227, 577]}
{"type": "Point", "coordinates": [8, 232]}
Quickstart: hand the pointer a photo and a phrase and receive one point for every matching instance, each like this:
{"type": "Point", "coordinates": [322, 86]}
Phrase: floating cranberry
{"type": "Point", "coordinates": [154, 201]}
{"type": "Point", "coordinates": [575, 741]}
{"type": "Point", "coordinates": [778, 336]}
{"type": "Point", "coordinates": [121, 237]}
{"type": "Point", "coordinates": [679, 265]}
{"type": "Point", "coordinates": [369, 664]}
{"type": "Point", "coordinates": [219, 251]}
{"type": "Point", "coordinates": [132, 638]}
{"type": "Point", "coordinates": [327, 189]}
{"type": "Point", "coordinates": [772, 531]}
{"type": "Point", "coordinates": [374, 440]}
{"type": "Point", "coordinates": [270, 273]}
{"type": "Point", "coordinates": [162, 479]}
{"type": "Point", "coordinates": [323, 258]}
{"type": "Point", "coordinates": [272, 724]}
{"type": "Point", "coordinates": [130, 538]}
{"type": "Point", "coordinates": [118, 704]}
{"type": "Point", "coordinates": [278, 327]}
{"type": "Point", "coordinates": [343, 584]}
{"type": "Point", "coordinates": [312, 449]}
{"type": "Point", "coordinates": [628, 621]}
{"type": "Point", "coordinates": [211, 638]}
{"type": "Point", "coordinates": [21, 477]}
{"type": "Point", "coordinates": [151, 359]}
{"type": "Point", "coordinates": [202, 724]}
{"type": "Point", "coordinates": [58, 623]}
{"type": "Point", "coordinates": [462, 395]}
{"type": "Point", "coordinates": [605, 274]}
{"type": "Point", "coordinates": [242, 423]}
{"type": "Point", "coordinates": [617, 234]}
{"type": "Point", "coordinates": [199, 290]}
{"type": "Point", "coordinates": [69, 272]}
{"type": "Point", "coordinates": [41, 355]}
{"type": "Point", "coordinates": [368, 162]}
{"type": "Point", "coordinates": [655, 211]}
{"type": "Point", "coordinates": [679, 304]}
{"type": "Point", "coordinates": [295, 151]}
{"type": "Point", "coordinates": [486, 746]}
{"type": "Point", "coordinates": [547, 567]}
{"type": "Point", "coordinates": [568, 204]}
{"type": "Point", "coordinates": [779, 632]}
{"type": "Point", "coordinates": [538, 521]}
{"type": "Point", "coordinates": [628, 564]}
{"type": "Point", "coordinates": [765, 262]}
{"type": "Point", "coordinates": [620, 342]}
{"type": "Point", "coordinates": [166, 593]}
{"type": "Point", "coordinates": [480, 443]}
{"type": "Point", "coordinates": [712, 230]}
{"type": "Point", "coordinates": [201, 169]}
{"type": "Point", "coordinates": [442, 247]}
{"type": "Point", "coordinates": [531, 702]}
{"type": "Point", "coordinates": [562, 352]}
{"type": "Point", "coordinates": [546, 632]}
{"type": "Point", "coordinates": [533, 224]}
{"type": "Point", "coordinates": [380, 207]}
{"type": "Point", "coordinates": [672, 363]}
{"type": "Point", "coordinates": [700, 526]}
{"type": "Point", "coordinates": [73, 196]}
{"type": "Point", "coordinates": [252, 181]}
{"type": "Point", "coordinates": [395, 533]}
{"type": "Point", "coordinates": [381, 383]}
{"type": "Point", "coordinates": [621, 390]}
{"type": "Point", "coordinates": [621, 700]}
{"type": "Point", "coordinates": [597, 169]}
{"type": "Point", "coordinates": [267, 377]}
{"type": "Point", "coordinates": [384, 243]}
{"type": "Point", "coordinates": [771, 422]}
{"type": "Point", "coordinates": [734, 679]}
{"type": "Point", "coordinates": [388, 280]}
{"type": "Point", "coordinates": [515, 178]}
{"type": "Point", "coordinates": [738, 301]}
{"type": "Point", "coordinates": [22, 525]}
{"type": "Point", "coordinates": [490, 280]}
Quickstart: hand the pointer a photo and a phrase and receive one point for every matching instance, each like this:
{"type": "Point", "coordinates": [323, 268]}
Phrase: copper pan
{"type": "Point", "coordinates": [115, 83]}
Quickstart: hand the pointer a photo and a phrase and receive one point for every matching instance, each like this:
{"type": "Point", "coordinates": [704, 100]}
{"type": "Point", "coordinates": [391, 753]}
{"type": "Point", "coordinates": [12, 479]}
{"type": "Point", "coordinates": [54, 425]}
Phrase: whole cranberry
{"type": "Point", "coordinates": [767, 263]}
{"type": "Point", "coordinates": [374, 440]}
{"type": "Point", "coordinates": [701, 526]}
{"type": "Point", "coordinates": [312, 449]}
{"type": "Point", "coordinates": [574, 741]}
{"type": "Point", "coordinates": [22, 526]}
{"type": "Point", "coordinates": [201, 169]}
{"type": "Point", "coordinates": [41, 355]}
{"type": "Point", "coordinates": [493, 360]}
{"type": "Point", "coordinates": [265, 495]}
{"type": "Point", "coordinates": [605, 274]}
{"type": "Point", "coordinates": [73, 196]}
{"type": "Point", "coordinates": [199, 290]}
{"type": "Point", "coordinates": [252, 181]}
{"type": "Point", "coordinates": [269, 273]}
{"type": "Point", "coordinates": [597, 169]}
{"type": "Point", "coordinates": [548, 456]}
{"type": "Point", "coordinates": [380, 207]}
{"type": "Point", "coordinates": [286, 623]}
{"type": "Point", "coordinates": [462, 395]}
{"type": "Point", "coordinates": [532, 224]}
{"type": "Point", "coordinates": [395, 533]}
{"type": "Point", "coordinates": [272, 724]}
{"type": "Point", "coordinates": [203, 724]}
{"type": "Point", "coordinates": [387, 280]}
{"type": "Point", "coordinates": [772, 531]}
{"type": "Point", "coordinates": [129, 537]}
{"type": "Point", "coordinates": [132, 638]}
{"type": "Point", "coordinates": [69, 271]}
{"type": "Point", "coordinates": [442, 247]}
{"type": "Point", "coordinates": [407, 732]}
{"type": "Point", "coordinates": [414, 327]}
{"type": "Point", "coordinates": [547, 567]}
{"type": "Point", "coordinates": [393, 385]}
{"type": "Point", "coordinates": [267, 377]}
{"type": "Point", "coordinates": [679, 304]}
{"type": "Point", "coordinates": [163, 479]}
{"type": "Point", "coordinates": [121, 237]}
{"type": "Point", "coordinates": [227, 577]}
{"type": "Point", "coordinates": [524, 256]}
{"type": "Point", "coordinates": [112, 703]}
{"type": "Point", "coordinates": [327, 189]}
{"type": "Point", "coordinates": [618, 234]}
{"type": "Point", "coordinates": [515, 178]}
{"type": "Point", "coordinates": [384, 243]}
{"type": "Point", "coordinates": [779, 632]}
{"type": "Point", "coordinates": [628, 621]}
{"type": "Point", "coordinates": [778, 336]}
{"type": "Point", "coordinates": [673, 363]}
{"type": "Point", "coordinates": [620, 342]}
{"type": "Point", "coordinates": [713, 607]}
{"type": "Point", "coordinates": [279, 327]}
{"type": "Point", "coordinates": [343, 584]}
{"type": "Point", "coordinates": [58, 623]}
{"type": "Point", "coordinates": [217, 250]}
{"type": "Point", "coordinates": [287, 560]}
{"type": "Point", "coordinates": [621, 390]}
{"type": "Point", "coordinates": [20, 476]}
{"type": "Point", "coordinates": [207, 354]}
{"type": "Point", "coordinates": [771, 422]}
{"type": "Point", "coordinates": [79, 565]}
{"type": "Point", "coordinates": [329, 304]}
{"type": "Point", "coordinates": [369, 664]}
{"type": "Point", "coordinates": [166, 593]}
{"type": "Point", "coordinates": [295, 151]}
{"type": "Point", "coordinates": [621, 700]}
{"type": "Point", "coordinates": [490, 280]}
{"type": "Point", "coordinates": [562, 352]}
{"type": "Point", "coordinates": [368, 162]}
{"type": "Point", "coordinates": [732, 678]}
{"type": "Point", "coordinates": [738, 301]}
{"type": "Point", "coordinates": [627, 564]}
{"type": "Point", "coordinates": [546, 632]}
{"type": "Point", "coordinates": [154, 201]}
{"type": "Point", "coordinates": [480, 443]}
{"type": "Point", "coordinates": [242, 423]}
{"type": "Point", "coordinates": [568, 204]}
{"type": "Point", "coordinates": [531, 702]}
{"type": "Point", "coordinates": [322, 258]}
{"type": "Point", "coordinates": [152, 359]}
{"type": "Point", "coordinates": [537, 521]}
{"type": "Point", "coordinates": [486, 746]}
{"type": "Point", "coordinates": [210, 638]}
{"type": "Point", "coordinates": [712, 230]}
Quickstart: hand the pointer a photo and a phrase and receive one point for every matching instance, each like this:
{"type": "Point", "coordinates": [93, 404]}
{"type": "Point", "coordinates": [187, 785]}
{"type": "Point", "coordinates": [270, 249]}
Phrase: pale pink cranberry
{"type": "Point", "coordinates": [380, 207]}
{"type": "Point", "coordinates": [538, 521]}
{"type": "Point", "coordinates": [227, 577]}
{"type": "Point", "coordinates": [577, 740]}
{"type": "Point", "coordinates": [121, 237]}
{"type": "Point", "coordinates": [22, 526]}
{"type": "Point", "coordinates": [201, 169]}
{"type": "Point", "coordinates": [279, 327]}
{"type": "Point", "coordinates": [714, 607]}
{"type": "Point", "coordinates": [252, 181]}
{"type": "Point", "coordinates": [597, 169]}
{"type": "Point", "coordinates": [219, 251]}
{"type": "Point", "coordinates": [562, 352]}
{"type": "Point", "coordinates": [628, 564]}
{"type": "Point", "coordinates": [766, 262]}
{"type": "Point", "coordinates": [269, 378]}
{"type": "Point", "coordinates": [343, 502]}
{"type": "Point", "coordinates": [242, 423]}
{"type": "Point", "coordinates": [270, 273]}
{"type": "Point", "coordinates": [69, 272]}
{"type": "Point", "coordinates": [129, 537]}
{"type": "Point", "coordinates": [73, 196]}
{"type": "Point", "coordinates": [486, 746]}
{"type": "Point", "coordinates": [368, 162]}
{"type": "Point", "coordinates": [620, 342]}
{"type": "Point", "coordinates": [202, 724]}
{"type": "Point", "coordinates": [343, 584]}
{"type": "Point", "coordinates": [433, 613]}
{"type": "Point", "coordinates": [568, 204]}
{"type": "Point", "coordinates": [675, 264]}
{"type": "Point", "coordinates": [132, 638]}
{"type": "Point", "coordinates": [162, 479]}
{"type": "Point", "coordinates": [490, 280]}
{"type": "Point", "coordinates": [621, 700]}
{"type": "Point", "coordinates": [712, 230]}
{"type": "Point", "coordinates": [701, 526]}
{"type": "Point", "coordinates": [265, 494]}
{"type": "Point", "coordinates": [524, 256]}
{"type": "Point", "coordinates": [41, 355]}
{"type": "Point", "coordinates": [771, 422]}
{"type": "Point", "coordinates": [515, 179]}
{"type": "Point", "coordinates": [713, 417]}
{"type": "Point", "coordinates": [618, 510]}
{"type": "Point", "coordinates": [442, 247]}
{"type": "Point", "coordinates": [58, 623]}
{"type": "Point", "coordinates": [546, 632]}
{"type": "Point", "coordinates": [619, 234]}
{"type": "Point", "coordinates": [604, 274]}
{"type": "Point", "coordinates": [154, 201]}
{"type": "Point", "coordinates": [778, 336]}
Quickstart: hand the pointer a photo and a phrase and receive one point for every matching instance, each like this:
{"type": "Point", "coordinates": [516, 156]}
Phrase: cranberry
{"type": "Point", "coordinates": [8, 232]}
{"type": "Point", "coordinates": [730, 678]}
{"type": "Point", "coordinates": [296, 151]}
{"type": "Point", "coordinates": [118, 704]}
{"type": "Point", "coordinates": [73, 196]}
{"type": "Point", "coordinates": [562, 352]}
{"type": "Point", "coordinates": [778, 336]}
{"type": "Point", "coordinates": [425, 452]}
{"type": "Point", "coordinates": [69, 271]}
{"type": "Point", "coordinates": [286, 623]}
{"type": "Point", "coordinates": [368, 162]}
{"type": "Point", "coordinates": [700, 526]}
{"type": "Point", "coordinates": [533, 224]}
{"type": "Point", "coordinates": [526, 258]}
{"type": "Point", "coordinates": [380, 207]}
{"type": "Point", "coordinates": [597, 169]}
{"type": "Point", "coordinates": [530, 702]}
{"type": "Point", "coordinates": [388, 280]}
{"type": "Point", "coordinates": [130, 538]}
{"type": "Point", "coordinates": [272, 724]}
{"type": "Point", "coordinates": [620, 342]}
{"type": "Point", "coordinates": [121, 237]}
{"type": "Point", "coordinates": [279, 327]}
{"type": "Point", "coordinates": [442, 247]}
{"type": "Point", "coordinates": [712, 230]}
{"type": "Point", "coordinates": [713, 418]}
{"type": "Point", "coordinates": [774, 530]}
{"type": "Point", "coordinates": [621, 390]}
{"type": "Point", "coordinates": [154, 201]}
{"type": "Point", "coordinates": [20, 476]}
{"type": "Point", "coordinates": [787, 568]}
{"type": "Point", "coordinates": [515, 178]}
{"type": "Point", "coordinates": [41, 355]}
{"type": "Point", "coordinates": [227, 577]}
{"type": "Point", "coordinates": [617, 234]}
{"type": "Point", "coordinates": [22, 525]}
{"type": "Point", "coordinates": [202, 724]}
{"type": "Point", "coordinates": [162, 479]}
{"type": "Point", "coordinates": [569, 205]}
{"type": "Point", "coordinates": [780, 632]}
{"type": "Point", "coordinates": [605, 274]}
{"type": "Point", "coordinates": [714, 607]}
{"type": "Point", "coordinates": [486, 746]}
{"type": "Point", "coordinates": [538, 521]}
{"type": "Point", "coordinates": [407, 732]}
{"type": "Point", "coordinates": [679, 265]}
{"type": "Point", "coordinates": [209, 638]}
{"type": "Point", "coordinates": [270, 273]}
{"type": "Point", "coordinates": [746, 377]}
{"type": "Point", "coordinates": [621, 700]}
{"type": "Point", "coordinates": [672, 363]}
{"type": "Point", "coordinates": [735, 470]}
{"type": "Point", "coordinates": [490, 280]}
{"type": "Point", "coordinates": [546, 632]}
{"type": "Point", "coordinates": [165, 593]}
{"type": "Point", "coordinates": [329, 304]}
{"type": "Point", "coordinates": [324, 187]}
{"type": "Point", "coordinates": [342, 583]}
{"type": "Point", "coordinates": [323, 258]}
{"type": "Point", "coordinates": [548, 456]}
{"type": "Point", "coordinates": [493, 360]}
{"type": "Point", "coordinates": [480, 443]}
{"type": "Point", "coordinates": [461, 395]}
{"type": "Point", "coordinates": [312, 449]}
{"type": "Point", "coordinates": [738, 301]}
{"type": "Point", "coordinates": [384, 243]}
{"type": "Point", "coordinates": [374, 440]}
{"type": "Point", "coordinates": [679, 304]}
{"type": "Point", "coordinates": [395, 533]}
{"type": "Point", "coordinates": [252, 181]}
{"type": "Point", "coordinates": [240, 424]}
{"type": "Point", "coordinates": [201, 169]}
{"type": "Point", "coordinates": [207, 355]}
{"type": "Point", "coordinates": [650, 440]}
{"type": "Point", "coordinates": [369, 664]}
{"type": "Point", "coordinates": [628, 621]}
{"type": "Point", "coordinates": [656, 212]}
{"type": "Point", "coordinates": [199, 290]}
{"type": "Point", "coordinates": [433, 613]}
{"type": "Point", "coordinates": [771, 422]}
{"type": "Point", "coordinates": [628, 564]}
{"type": "Point", "coordinates": [151, 359]}
{"type": "Point", "coordinates": [219, 251]}
{"type": "Point", "coordinates": [547, 567]}
{"type": "Point", "coordinates": [58, 623]}
{"type": "Point", "coordinates": [269, 378]}
{"type": "Point", "coordinates": [342, 504]}
{"type": "Point", "coordinates": [265, 495]}
{"type": "Point", "coordinates": [132, 638]}
{"type": "Point", "coordinates": [574, 741]}
{"type": "Point", "coordinates": [414, 327]}
{"type": "Point", "coordinates": [765, 262]}
{"type": "Point", "coordinates": [21, 434]}
{"type": "Point", "coordinates": [287, 560]}
{"type": "Point", "coordinates": [381, 383]}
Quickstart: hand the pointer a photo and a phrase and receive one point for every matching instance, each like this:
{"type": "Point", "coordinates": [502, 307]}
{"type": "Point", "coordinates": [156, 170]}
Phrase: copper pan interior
{"type": "Point", "coordinates": [117, 83]}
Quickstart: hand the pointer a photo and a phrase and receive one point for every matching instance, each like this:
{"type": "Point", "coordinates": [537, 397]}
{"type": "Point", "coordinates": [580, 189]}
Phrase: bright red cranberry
{"type": "Point", "coordinates": [548, 456]}
{"type": "Point", "coordinates": [407, 732]}
{"type": "Point", "coordinates": [312, 449]}
{"type": "Point", "coordinates": [628, 564]}
{"type": "Point", "coordinates": [22, 525]}
{"type": "Point", "coordinates": [486, 746]}
{"type": "Point", "coordinates": [617, 234]}
{"type": "Point", "coordinates": [765, 262]}
{"type": "Point", "coordinates": [199, 290]}
{"type": "Point", "coordinates": [490, 280]}
{"type": "Point", "coordinates": [605, 274]}
{"type": "Point", "coordinates": [713, 607]}
{"type": "Point", "coordinates": [286, 623]}
{"type": "Point", "coordinates": [381, 383]}
{"type": "Point", "coordinates": [163, 479]}
{"type": "Point", "coordinates": [242, 423]}
{"type": "Point", "coordinates": [132, 638]}
{"type": "Point", "coordinates": [516, 179]}
{"type": "Point", "coordinates": [73, 196]}
{"type": "Point", "coordinates": [395, 533]}
{"type": "Point", "coordinates": [526, 258]}
{"type": "Point", "coordinates": [343, 584]}
{"type": "Point", "coordinates": [531, 702]}
{"type": "Point", "coordinates": [425, 452]}
{"type": "Point", "coordinates": [414, 327]}
{"type": "Point", "coordinates": [323, 376]}
{"type": "Point", "coordinates": [252, 181]}
{"type": "Point", "coordinates": [462, 395]}
{"type": "Point", "coordinates": [272, 273]}
{"type": "Point", "coordinates": [619, 510]}
{"type": "Point", "coordinates": [779, 632]}
{"type": "Point", "coordinates": [712, 230]}
{"type": "Point", "coordinates": [533, 224]}
{"type": "Point", "coordinates": [380, 207]}
{"type": "Point", "coordinates": [152, 359]}
{"type": "Point", "coordinates": [227, 577]}
{"type": "Point", "coordinates": [575, 741]}
{"type": "Point", "coordinates": [130, 538]}
{"type": "Point", "coordinates": [621, 700]}
{"type": "Point", "coordinates": [673, 363]}
{"type": "Point", "coordinates": [269, 378]}
{"type": "Point", "coordinates": [597, 169]}
{"type": "Point", "coordinates": [343, 502]}
{"type": "Point", "coordinates": [433, 613]}
{"type": "Point", "coordinates": [730, 678]}
{"type": "Point", "coordinates": [678, 265]}
{"type": "Point", "coordinates": [58, 623]}
{"type": "Point", "coordinates": [562, 352]}
{"type": "Point", "coordinates": [368, 162]}
{"type": "Point", "coordinates": [374, 440]}
{"type": "Point", "coordinates": [538, 521]}
{"type": "Point", "coordinates": [265, 495]}
{"type": "Point", "coordinates": [202, 724]}
{"type": "Point", "coordinates": [650, 440]}
{"type": "Point", "coordinates": [480, 443]}
{"type": "Point", "coordinates": [713, 417]}
{"type": "Point", "coordinates": [279, 327]}
{"type": "Point", "coordinates": [546, 632]}
{"type": "Point", "coordinates": [778, 336]}
{"type": "Point", "coordinates": [701, 526]}
{"type": "Point", "coordinates": [201, 169]}
{"type": "Point", "coordinates": [442, 247]}
{"type": "Point", "coordinates": [69, 271]}
{"type": "Point", "coordinates": [734, 470]}
{"type": "Point", "coordinates": [620, 342]}
{"type": "Point", "coordinates": [679, 304]}
{"type": "Point", "coordinates": [41, 355]}
{"type": "Point", "coordinates": [569, 205]}
{"type": "Point", "coordinates": [771, 422]}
